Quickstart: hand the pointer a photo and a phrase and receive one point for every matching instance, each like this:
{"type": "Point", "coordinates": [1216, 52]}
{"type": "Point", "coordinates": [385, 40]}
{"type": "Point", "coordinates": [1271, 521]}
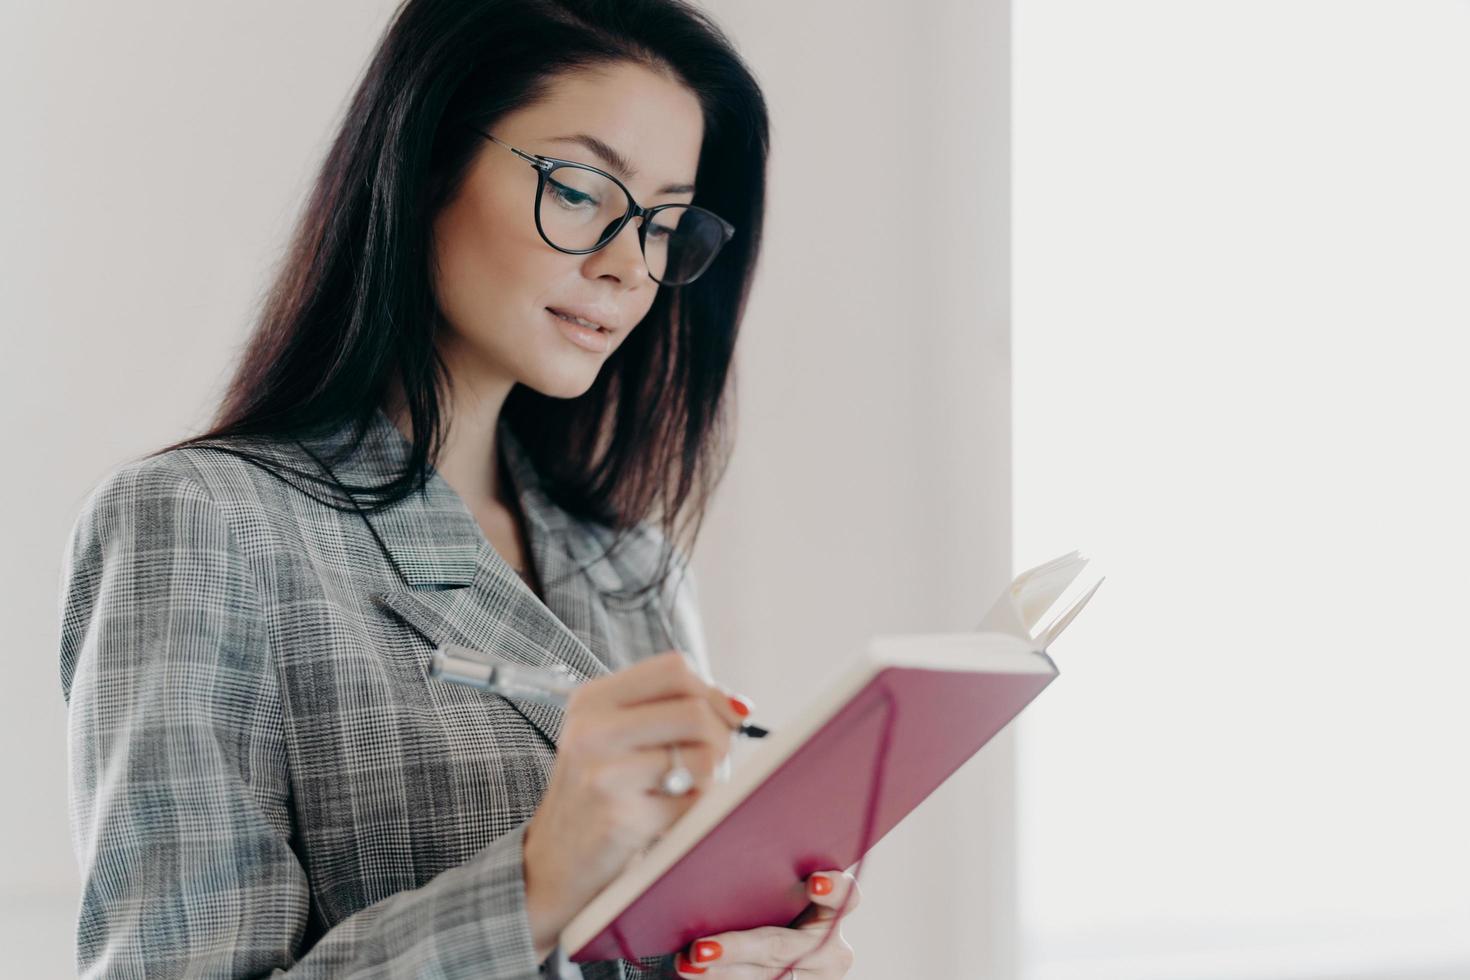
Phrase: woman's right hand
{"type": "Point", "coordinates": [603, 804]}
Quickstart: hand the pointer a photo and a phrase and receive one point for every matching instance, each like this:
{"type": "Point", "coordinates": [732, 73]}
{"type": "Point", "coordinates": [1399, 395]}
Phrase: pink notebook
{"type": "Point", "coordinates": [879, 740]}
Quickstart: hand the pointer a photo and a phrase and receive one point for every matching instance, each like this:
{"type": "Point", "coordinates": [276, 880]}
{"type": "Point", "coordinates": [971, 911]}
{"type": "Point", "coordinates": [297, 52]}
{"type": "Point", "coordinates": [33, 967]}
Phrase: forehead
{"type": "Point", "coordinates": [652, 121]}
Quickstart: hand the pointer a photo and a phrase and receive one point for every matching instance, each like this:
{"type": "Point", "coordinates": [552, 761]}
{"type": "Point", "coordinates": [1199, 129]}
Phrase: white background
{"type": "Point", "coordinates": [1242, 244]}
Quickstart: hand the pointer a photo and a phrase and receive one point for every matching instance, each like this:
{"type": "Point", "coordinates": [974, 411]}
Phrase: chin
{"type": "Point", "coordinates": [565, 383]}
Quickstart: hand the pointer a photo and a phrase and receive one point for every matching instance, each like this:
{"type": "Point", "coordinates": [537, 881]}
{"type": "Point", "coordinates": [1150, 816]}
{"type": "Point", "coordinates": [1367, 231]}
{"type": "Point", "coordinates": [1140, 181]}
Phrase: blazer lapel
{"type": "Point", "coordinates": [570, 578]}
{"type": "Point", "coordinates": [456, 588]}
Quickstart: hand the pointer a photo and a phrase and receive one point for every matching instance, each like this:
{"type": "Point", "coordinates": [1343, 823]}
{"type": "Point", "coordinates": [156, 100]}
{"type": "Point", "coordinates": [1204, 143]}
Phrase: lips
{"type": "Point", "coordinates": [591, 316]}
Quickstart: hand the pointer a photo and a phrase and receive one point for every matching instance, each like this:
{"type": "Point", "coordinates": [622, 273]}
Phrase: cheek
{"type": "Point", "coordinates": [488, 254]}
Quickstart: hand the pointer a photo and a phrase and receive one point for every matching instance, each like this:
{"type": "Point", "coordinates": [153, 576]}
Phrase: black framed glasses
{"type": "Point", "coordinates": [579, 209]}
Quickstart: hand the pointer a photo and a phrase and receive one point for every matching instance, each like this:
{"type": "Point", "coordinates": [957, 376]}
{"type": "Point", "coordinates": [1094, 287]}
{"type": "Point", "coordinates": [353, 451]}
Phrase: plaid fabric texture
{"type": "Point", "coordinates": [264, 780]}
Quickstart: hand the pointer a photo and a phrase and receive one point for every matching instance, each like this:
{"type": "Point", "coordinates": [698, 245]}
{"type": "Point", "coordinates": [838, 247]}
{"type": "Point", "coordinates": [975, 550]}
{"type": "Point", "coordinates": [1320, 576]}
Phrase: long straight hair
{"type": "Point", "coordinates": [352, 305]}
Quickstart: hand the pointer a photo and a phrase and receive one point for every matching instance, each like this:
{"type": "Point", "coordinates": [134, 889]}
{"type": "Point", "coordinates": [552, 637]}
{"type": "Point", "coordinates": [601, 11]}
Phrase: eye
{"type": "Point", "coordinates": [569, 198]}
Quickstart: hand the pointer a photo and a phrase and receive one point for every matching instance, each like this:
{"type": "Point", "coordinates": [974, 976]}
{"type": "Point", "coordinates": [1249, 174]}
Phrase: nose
{"type": "Point", "coordinates": [621, 258]}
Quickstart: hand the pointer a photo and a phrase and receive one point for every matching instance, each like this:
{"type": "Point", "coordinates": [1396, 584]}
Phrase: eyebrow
{"type": "Point", "coordinates": [617, 161]}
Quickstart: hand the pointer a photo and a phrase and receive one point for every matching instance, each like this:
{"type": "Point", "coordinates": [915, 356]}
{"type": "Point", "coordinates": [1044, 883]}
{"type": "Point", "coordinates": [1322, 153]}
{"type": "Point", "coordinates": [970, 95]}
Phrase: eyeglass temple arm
{"type": "Point", "coordinates": [529, 158]}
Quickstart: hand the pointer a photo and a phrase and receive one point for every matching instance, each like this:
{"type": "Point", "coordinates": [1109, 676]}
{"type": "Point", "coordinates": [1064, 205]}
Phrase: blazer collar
{"type": "Point", "coordinates": [458, 589]}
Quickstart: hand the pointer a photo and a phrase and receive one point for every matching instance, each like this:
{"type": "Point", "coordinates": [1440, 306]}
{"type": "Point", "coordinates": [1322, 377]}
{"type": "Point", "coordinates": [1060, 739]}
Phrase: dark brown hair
{"type": "Point", "coordinates": [352, 305]}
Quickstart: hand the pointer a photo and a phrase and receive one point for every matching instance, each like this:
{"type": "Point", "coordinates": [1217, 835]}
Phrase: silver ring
{"type": "Point", "coordinates": [678, 780]}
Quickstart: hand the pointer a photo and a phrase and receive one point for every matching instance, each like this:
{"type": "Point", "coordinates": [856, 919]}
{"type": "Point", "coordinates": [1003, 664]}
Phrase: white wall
{"type": "Point", "coordinates": [1242, 336]}
{"type": "Point", "coordinates": [154, 158]}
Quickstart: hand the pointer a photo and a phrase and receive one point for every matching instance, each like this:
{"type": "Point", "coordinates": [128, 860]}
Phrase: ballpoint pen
{"type": "Point", "coordinates": [464, 665]}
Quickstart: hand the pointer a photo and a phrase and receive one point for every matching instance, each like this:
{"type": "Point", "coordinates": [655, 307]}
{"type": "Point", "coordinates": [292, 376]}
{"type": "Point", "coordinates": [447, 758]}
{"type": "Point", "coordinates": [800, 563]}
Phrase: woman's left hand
{"type": "Point", "coordinates": [759, 954]}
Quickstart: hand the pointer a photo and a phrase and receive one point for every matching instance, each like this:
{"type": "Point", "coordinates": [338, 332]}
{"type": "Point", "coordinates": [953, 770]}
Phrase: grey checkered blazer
{"type": "Point", "coordinates": [264, 780]}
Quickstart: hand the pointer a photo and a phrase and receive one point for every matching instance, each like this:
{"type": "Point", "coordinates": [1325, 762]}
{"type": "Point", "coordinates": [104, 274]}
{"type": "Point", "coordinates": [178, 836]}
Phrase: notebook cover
{"type": "Point", "coordinates": [807, 816]}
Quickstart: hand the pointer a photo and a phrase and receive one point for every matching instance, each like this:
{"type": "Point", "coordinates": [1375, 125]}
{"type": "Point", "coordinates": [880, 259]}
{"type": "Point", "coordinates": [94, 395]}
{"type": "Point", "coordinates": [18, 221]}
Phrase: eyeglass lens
{"type": "Point", "coordinates": [579, 208]}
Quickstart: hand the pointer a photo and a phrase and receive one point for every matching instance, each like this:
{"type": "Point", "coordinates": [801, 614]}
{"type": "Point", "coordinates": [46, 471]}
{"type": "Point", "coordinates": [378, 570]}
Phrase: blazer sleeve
{"type": "Point", "coordinates": [178, 785]}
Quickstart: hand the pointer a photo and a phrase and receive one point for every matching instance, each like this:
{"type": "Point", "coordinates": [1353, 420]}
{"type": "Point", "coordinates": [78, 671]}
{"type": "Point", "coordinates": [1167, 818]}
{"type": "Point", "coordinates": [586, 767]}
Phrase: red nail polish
{"type": "Point", "coordinates": [706, 950]}
{"type": "Point", "coordinates": [682, 964]}
{"type": "Point", "coordinates": [820, 885]}
{"type": "Point", "coordinates": [741, 705]}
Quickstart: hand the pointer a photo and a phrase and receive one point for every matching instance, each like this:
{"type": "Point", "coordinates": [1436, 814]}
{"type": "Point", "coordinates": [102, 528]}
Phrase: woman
{"type": "Point", "coordinates": [425, 442]}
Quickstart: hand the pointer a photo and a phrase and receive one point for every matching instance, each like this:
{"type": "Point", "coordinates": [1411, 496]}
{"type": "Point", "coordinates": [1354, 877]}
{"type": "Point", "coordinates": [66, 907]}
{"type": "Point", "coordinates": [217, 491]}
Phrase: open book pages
{"type": "Point", "coordinates": [1034, 593]}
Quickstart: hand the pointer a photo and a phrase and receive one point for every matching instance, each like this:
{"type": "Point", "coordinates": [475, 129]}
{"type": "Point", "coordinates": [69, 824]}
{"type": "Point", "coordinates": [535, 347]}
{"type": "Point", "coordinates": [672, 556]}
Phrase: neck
{"type": "Point", "coordinates": [468, 458]}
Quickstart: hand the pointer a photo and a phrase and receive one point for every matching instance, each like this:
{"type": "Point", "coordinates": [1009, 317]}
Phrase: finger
{"type": "Point", "coordinates": [767, 946]}
{"type": "Point", "coordinates": [831, 960]}
{"type": "Point", "coordinates": [646, 767]}
{"type": "Point", "coordinates": [832, 888]}
{"type": "Point", "coordinates": [741, 705]}
{"type": "Point", "coordinates": [818, 966]}
{"type": "Point", "coordinates": [658, 724]}
{"type": "Point", "coordinates": [665, 675]}
{"type": "Point", "coordinates": [826, 890]}
{"type": "Point", "coordinates": [732, 708]}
